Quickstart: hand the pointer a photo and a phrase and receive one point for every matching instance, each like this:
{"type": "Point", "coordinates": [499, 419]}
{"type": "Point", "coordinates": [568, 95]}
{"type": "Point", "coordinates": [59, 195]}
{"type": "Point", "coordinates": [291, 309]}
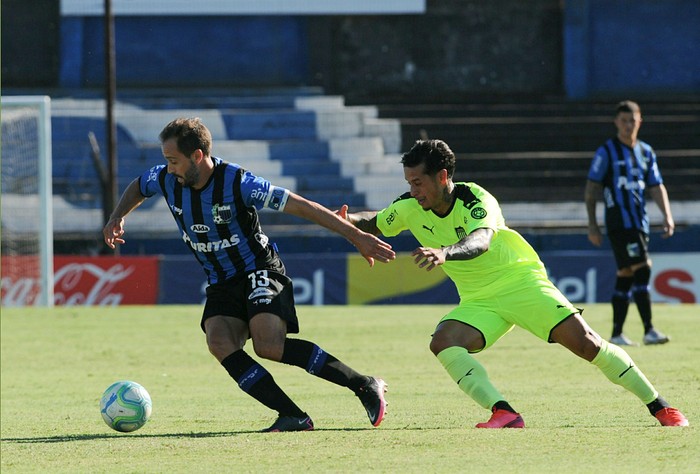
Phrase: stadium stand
{"type": "Point", "coordinates": [312, 144]}
{"type": "Point", "coordinates": [512, 147]}
{"type": "Point", "coordinates": [75, 172]}
{"type": "Point", "coordinates": [535, 156]}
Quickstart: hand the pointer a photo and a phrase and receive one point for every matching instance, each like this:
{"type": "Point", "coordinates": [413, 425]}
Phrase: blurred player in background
{"type": "Point", "coordinates": [622, 169]}
{"type": "Point", "coordinates": [215, 205]}
{"type": "Point", "coordinates": [500, 280]}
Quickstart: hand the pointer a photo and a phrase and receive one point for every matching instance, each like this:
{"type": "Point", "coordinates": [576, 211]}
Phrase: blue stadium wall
{"type": "Point", "coordinates": [581, 48]}
{"type": "Point", "coordinates": [627, 46]}
{"type": "Point", "coordinates": [203, 51]}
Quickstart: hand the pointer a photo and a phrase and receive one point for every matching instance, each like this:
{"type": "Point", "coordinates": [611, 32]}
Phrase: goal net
{"type": "Point", "coordinates": [26, 202]}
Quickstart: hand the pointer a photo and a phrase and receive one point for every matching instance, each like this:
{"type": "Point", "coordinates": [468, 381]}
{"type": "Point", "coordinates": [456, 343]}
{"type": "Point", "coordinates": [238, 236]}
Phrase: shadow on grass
{"type": "Point", "coordinates": [112, 436]}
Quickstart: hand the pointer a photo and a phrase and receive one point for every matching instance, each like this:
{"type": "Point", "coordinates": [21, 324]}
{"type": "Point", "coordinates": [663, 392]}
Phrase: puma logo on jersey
{"type": "Point", "coordinates": [429, 228]}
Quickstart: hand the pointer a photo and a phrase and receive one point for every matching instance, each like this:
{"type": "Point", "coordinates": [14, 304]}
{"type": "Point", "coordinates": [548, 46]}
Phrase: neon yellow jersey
{"type": "Point", "coordinates": [490, 274]}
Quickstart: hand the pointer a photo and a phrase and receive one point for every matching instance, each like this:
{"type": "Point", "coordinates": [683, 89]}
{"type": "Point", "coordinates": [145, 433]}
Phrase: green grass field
{"type": "Point", "coordinates": [55, 365]}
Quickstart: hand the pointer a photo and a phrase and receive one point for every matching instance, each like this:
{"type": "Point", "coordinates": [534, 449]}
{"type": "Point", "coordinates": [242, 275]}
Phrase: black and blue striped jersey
{"type": "Point", "coordinates": [219, 223]}
{"type": "Point", "coordinates": [625, 173]}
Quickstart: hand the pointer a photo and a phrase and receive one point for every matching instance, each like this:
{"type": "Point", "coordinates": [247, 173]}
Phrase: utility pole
{"type": "Point", "coordinates": [111, 189]}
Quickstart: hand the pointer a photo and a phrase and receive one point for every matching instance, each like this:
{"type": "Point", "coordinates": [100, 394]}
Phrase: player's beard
{"type": "Point", "coordinates": [191, 176]}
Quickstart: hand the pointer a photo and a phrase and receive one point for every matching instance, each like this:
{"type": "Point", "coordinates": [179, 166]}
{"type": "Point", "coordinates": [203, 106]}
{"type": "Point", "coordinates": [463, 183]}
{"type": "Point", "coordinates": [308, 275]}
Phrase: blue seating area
{"type": "Point", "coordinates": [291, 151]}
{"type": "Point", "coordinates": [270, 125]}
{"type": "Point", "coordinates": [75, 173]}
{"type": "Point", "coordinates": [304, 138]}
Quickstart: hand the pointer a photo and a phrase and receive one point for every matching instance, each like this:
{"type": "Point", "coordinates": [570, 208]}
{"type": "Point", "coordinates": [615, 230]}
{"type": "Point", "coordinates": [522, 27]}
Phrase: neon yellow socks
{"type": "Point", "coordinates": [615, 363]}
{"type": "Point", "coordinates": [619, 368]}
{"type": "Point", "coordinates": [470, 375]}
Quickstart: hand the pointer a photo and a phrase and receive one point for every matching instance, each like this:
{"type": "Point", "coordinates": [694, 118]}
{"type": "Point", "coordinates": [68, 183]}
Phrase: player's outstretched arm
{"type": "Point", "coordinates": [367, 244]}
{"type": "Point", "coordinates": [129, 200]}
{"type": "Point", "coordinates": [366, 221]}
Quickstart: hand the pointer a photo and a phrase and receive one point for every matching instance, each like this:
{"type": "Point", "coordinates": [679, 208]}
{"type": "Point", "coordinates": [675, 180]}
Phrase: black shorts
{"type": "Point", "coordinates": [261, 291]}
{"type": "Point", "coordinates": [629, 247]}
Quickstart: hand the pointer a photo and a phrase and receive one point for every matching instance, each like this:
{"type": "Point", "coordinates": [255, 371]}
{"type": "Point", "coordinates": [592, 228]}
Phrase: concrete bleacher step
{"type": "Point", "coordinates": [557, 176]}
{"type": "Point", "coordinates": [553, 134]}
{"type": "Point", "coordinates": [213, 98]}
{"type": "Point", "coordinates": [497, 143]}
{"type": "Point", "coordinates": [295, 150]}
{"type": "Point", "coordinates": [513, 107]}
{"type": "Point", "coordinates": [320, 102]}
{"type": "Point", "coordinates": [254, 156]}
{"type": "Point", "coordinates": [270, 124]}
{"type": "Point", "coordinates": [350, 148]}
{"type": "Point", "coordinates": [318, 182]}
{"type": "Point", "coordinates": [334, 199]}
{"type": "Point", "coordinates": [380, 190]}
{"type": "Point", "coordinates": [300, 168]}
{"type": "Point", "coordinates": [146, 125]}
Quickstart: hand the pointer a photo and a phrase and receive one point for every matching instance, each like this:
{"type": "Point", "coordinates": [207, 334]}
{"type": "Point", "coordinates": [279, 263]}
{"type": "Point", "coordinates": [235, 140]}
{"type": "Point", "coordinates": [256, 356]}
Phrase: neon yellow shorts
{"type": "Point", "coordinates": [533, 303]}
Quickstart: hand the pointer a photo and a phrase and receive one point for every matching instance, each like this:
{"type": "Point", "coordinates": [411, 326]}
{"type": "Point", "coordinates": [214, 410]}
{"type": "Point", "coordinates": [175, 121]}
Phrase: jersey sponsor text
{"type": "Point", "coordinates": [215, 246]}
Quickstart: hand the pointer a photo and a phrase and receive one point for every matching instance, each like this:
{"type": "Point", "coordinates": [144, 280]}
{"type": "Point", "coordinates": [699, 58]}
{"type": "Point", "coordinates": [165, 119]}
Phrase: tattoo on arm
{"type": "Point", "coordinates": [470, 246]}
{"type": "Point", "coordinates": [365, 221]}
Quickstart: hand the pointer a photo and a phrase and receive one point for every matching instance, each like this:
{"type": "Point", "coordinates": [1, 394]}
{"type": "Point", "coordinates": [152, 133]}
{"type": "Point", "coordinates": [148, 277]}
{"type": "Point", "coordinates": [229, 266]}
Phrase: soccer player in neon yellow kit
{"type": "Point", "coordinates": [500, 280]}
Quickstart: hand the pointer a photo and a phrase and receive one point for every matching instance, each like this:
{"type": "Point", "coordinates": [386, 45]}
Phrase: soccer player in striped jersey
{"type": "Point", "coordinates": [623, 168]}
{"type": "Point", "coordinates": [500, 280]}
{"type": "Point", "coordinates": [215, 205]}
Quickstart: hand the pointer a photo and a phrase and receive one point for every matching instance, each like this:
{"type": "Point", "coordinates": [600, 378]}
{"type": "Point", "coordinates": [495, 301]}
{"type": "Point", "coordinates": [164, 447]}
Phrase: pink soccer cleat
{"type": "Point", "coordinates": [503, 419]}
{"type": "Point", "coordinates": [671, 417]}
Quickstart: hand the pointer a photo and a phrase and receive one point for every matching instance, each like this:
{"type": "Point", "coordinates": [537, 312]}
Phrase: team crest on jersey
{"type": "Point", "coordinates": [221, 213]}
{"type": "Point", "coordinates": [478, 213]}
{"type": "Point", "coordinates": [461, 233]}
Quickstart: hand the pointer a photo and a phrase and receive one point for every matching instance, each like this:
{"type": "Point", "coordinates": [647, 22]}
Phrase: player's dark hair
{"type": "Point", "coordinates": [435, 154]}
{"type": "Point", "coordinates": [627, 106]}
{"type": "Point", "coordinates": [191, 135]}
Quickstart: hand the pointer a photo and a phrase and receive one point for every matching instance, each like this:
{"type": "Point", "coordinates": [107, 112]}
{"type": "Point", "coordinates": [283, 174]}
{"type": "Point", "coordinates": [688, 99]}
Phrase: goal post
{"type": "Point", "coordinates": [27, 201]}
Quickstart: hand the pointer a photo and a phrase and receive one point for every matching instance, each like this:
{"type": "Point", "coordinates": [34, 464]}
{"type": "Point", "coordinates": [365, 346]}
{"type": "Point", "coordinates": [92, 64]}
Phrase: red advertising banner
{"type": "Point", "coordinates": [21, 280]}
{"type": "Point", "coordinates": [88, 281]}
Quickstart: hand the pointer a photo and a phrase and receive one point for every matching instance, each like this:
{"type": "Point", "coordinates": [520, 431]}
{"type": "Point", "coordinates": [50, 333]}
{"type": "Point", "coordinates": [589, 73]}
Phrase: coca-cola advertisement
{"type": "Point", "coordinates": [88, 281]}
{"type": "Point", "coordinates": [334, 279]}
{"type": "Point", "coordinates": [21, 280]}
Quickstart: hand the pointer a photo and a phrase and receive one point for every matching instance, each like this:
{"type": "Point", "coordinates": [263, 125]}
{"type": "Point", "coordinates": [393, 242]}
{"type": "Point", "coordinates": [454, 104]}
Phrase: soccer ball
{"type": "Point", "coordinates": [125, 406]}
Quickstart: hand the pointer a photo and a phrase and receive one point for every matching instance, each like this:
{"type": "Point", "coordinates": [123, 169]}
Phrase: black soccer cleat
{"type": "Point", "coordinates": [372, 398]}
{"type": "Point", "coordinates": [291, 423]}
